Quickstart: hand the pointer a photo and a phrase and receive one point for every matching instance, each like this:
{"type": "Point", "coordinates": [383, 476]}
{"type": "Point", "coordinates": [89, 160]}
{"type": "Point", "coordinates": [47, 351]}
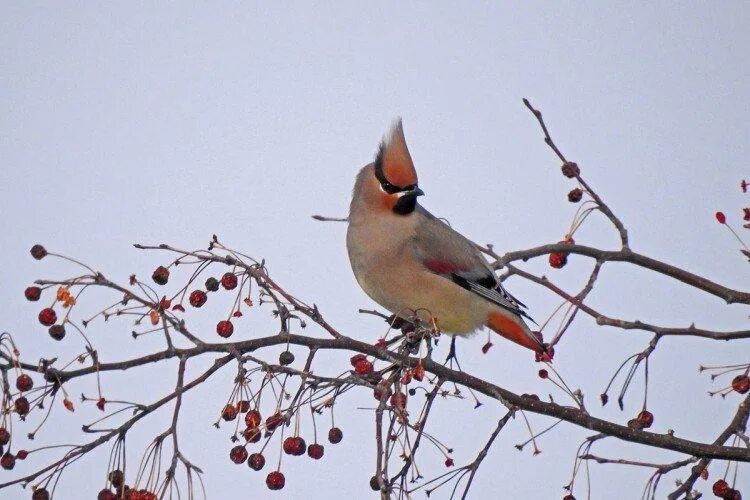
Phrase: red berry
{"type": "Point", "coordinates": [315, 451]}
{"type": "Point", "coordinates": [301, 447]}
{"type": "Point", "coordinates": [212, 284]}
{"type": "Point", "coordinates": [40, 494]}
{"type": "Point", "coordinates": [543, 373]}
{"type": "Point", "coordinates": [646, 418]}
{"type": "Point", "coordinates": [704, 474]}
{"type": "Point", "coordinates": [106, 494]}
{"type": "Point", "coordinates": [24, 383]}
{"type": "Point", "coordinates": [229, 412]}
{"type": "Point", "coordinates": [275, 480]}
{"type": "Point", "coordinates": [160, 275]}
{"type": "Point", "coordinates": [22, 454]}
{"type": "Point", "coordinates": [33, 293]}
{"type": "Point", "coordinates": [363, 367]}
{"type": "Point", "coordinates": [720, 488]}
{"type": "Point", "coordinates": [8, 461]}
{"type": "Point", "coordinates": [198, 298]}
{"type": "Point", "coordinates": [741, 384]}
{"type": "Point", "coordinates": [251, 434]}
{"type": "Point", "coordinates": [243, 405]}
{"type": "Point", "coordinates": [165, 303]}
{"type": "Point", "coordinates": [721, 218]}
{"type": "Point", "coordinates": [178, 307]}
{"type": "Point", "coordinates": [4, 436]}
{"type": "Point", "coordinates": [274, 421]}
{"type": "Point", "coordinates": [449, 462]}
{"type": "Point", "coordinates": [558, 259]}
{"type": "Point", "coordinates": [357, 358]}
{"type": "Point", "coordinates": [290, 445]}
{"type": "Point", "coordinates": [47, 316]}
{"type": "Point", "coordinates": [256, 461]}
{"type": "Point", "coordinates": [117, 478]}
{"type": "Point", "coordinates": [22, 406]}
{"type": "Point", "coordinates": [100, 403]}
{"type": "Point", "coordinates": [223, 328]}
{"type": "Point", "coordinates": [238, 454]}
{"type": "Point", "coordinates": [57, 332]}
{"type": "Point", "coordinates": [38, 252]}
{"type": "Point", "coordinates": [335, 435]}
{"type": "Point", "coordinates": [229, 281]}
{"type": "Point", "coordinates": [252, 419]}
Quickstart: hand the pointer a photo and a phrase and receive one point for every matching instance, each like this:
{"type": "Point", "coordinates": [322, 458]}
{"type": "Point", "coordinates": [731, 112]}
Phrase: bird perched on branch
{"type": "Point", "coordinates": [411, 262]}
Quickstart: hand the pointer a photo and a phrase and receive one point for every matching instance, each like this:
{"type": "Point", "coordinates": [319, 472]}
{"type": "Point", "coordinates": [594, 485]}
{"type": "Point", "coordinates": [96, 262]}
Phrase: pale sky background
{"type": "Point", "coordinates": [171, 122]}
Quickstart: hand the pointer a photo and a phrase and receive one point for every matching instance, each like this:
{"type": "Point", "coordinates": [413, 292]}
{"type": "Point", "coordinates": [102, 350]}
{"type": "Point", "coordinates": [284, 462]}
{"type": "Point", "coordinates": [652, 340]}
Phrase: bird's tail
{"type": "Point", "coordinates": [514, 329]}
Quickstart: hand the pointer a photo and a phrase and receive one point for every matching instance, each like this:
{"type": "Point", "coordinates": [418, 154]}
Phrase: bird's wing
{"type": "Point", "coordinates": [447, 253]}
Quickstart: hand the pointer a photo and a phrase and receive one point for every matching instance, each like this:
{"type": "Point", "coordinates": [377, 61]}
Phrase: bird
{"type": "Point", "coordinates": [414, 264]}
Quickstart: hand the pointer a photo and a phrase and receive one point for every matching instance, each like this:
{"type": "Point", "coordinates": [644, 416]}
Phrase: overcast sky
{"type": "Point", "coordinates": [171, 122]}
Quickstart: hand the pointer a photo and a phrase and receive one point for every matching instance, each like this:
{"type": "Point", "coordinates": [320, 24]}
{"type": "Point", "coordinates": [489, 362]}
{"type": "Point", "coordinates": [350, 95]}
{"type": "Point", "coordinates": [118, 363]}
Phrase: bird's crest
{"type": "Point", "coordinates": [394, 162]}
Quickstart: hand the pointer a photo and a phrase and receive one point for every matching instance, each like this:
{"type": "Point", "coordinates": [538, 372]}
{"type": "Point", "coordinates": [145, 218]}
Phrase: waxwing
{"type": "Point", "coordinates": [412, 263]}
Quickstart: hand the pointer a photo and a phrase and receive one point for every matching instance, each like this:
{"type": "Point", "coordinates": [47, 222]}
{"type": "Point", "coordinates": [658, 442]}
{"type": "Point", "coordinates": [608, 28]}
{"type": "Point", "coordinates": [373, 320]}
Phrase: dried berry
{"type": "Point", "coordinates": [286, 358]}
{"type": "Point", "coordinates": [24, 383]}
{"type": "Point", "coordinates": [570, 169]}
{"type": "Point", "coordinates": [575, 195]}
{"type": "Point", "coordinates": [398, 400]}
{"type": "Point", "coordinates": [40, 494]}
{"type": "Point", "coordinates": [22, 406]}
{"type": "Point", "coordinates": [335, 435]}
{"type": "Point", "coordinates": [57, 332]}
{"type": "Point", "coordinates": [229, 412]}
{"type": "Point", "coordinates": [274, 421]}
{"type": "Point", "coordinates": [38, 252]}
{"type": "Point", "coordinates": [721, 218]}
{"type": "Point", "coordinates": [117, 478]}
{"type": "Point", "coordinates": [741, 384]}
{"type": "Point", "coordinates": [4, 436]}
{"type": "Point", "coordinates": [251, 434]}
{"type": "Point", "coordinates": [160, 275]}
{"type": "Point", "coordinates": [198, 298]}
{"type": "Point", "coordinates": [212, 284]}
{"type": "Point", "coordinates": [106, 494]}
{"type": "Point", "coordinates": [646, 418]}
{"type": "Point", "coordinates": [558, 259]}
{"type": "Point", "coordinates": [32, 293]}
{"type": "Point", "coordinates": [7, 461]}
{"type": "Point", "coordinates": [22, 454]}
{"type": "Point", "coordinates": [252, 419]}
{"type": "Point", "coordinates": [363, 367]}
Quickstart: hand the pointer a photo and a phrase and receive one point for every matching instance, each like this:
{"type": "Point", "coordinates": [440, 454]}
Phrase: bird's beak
{"type": "Point", "coordinates": [417, 192]}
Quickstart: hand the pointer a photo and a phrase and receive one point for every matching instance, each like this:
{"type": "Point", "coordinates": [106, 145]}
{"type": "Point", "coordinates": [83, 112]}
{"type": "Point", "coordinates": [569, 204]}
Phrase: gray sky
{"type": "Point", "coordinates": [170, 123]}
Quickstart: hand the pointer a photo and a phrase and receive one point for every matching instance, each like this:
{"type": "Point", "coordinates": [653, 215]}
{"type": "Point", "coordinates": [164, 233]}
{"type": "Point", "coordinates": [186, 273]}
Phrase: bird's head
{"type": "Point", "coordinates": [390, 182]}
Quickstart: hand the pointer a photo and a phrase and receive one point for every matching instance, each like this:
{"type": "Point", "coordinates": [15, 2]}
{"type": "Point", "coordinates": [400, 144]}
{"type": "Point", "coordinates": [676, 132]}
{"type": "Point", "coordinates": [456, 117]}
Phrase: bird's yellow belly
{"type": "Point", "coordinates": [456, 310]}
